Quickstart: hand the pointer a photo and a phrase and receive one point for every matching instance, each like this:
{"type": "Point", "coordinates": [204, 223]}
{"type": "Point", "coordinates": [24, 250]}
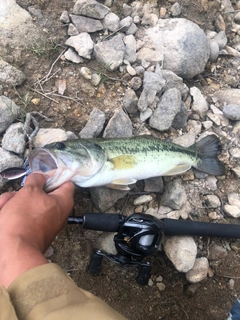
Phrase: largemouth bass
{"type": "Point", "coordinates": [120, 162]}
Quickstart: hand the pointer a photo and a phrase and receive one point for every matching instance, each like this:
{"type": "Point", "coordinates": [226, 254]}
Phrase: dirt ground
{"type": "Point", "coordinates": [73, 247]}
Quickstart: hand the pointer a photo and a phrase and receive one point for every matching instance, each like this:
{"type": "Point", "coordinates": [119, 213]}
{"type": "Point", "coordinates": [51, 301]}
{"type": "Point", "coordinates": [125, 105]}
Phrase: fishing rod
{"type": "Point", "coordinates": [139, 235]}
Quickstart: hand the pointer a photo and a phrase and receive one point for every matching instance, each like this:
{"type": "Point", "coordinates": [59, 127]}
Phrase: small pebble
{"type": "Point", "coordinates": [86, 73]}
{"type": "Point", "coordinates": [36, 101]}
{"type": "Point", "coordinates": [142, 200]}
{"type": "Point", "coordinates": [161, 286]}
{"type": "Point", "coordinates": [231, 284]}
{"type": "Point", "coordinates": [159, 279]}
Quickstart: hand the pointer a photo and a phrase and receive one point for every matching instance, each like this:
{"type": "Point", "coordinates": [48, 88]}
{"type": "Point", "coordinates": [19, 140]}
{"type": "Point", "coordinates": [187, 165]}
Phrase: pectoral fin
{"type": "Point", "coordinates": [118, 187]}
{"type": "Point", "coordinates": [121, 184]}
{"type": "Point", "coordinates": [177, 169]}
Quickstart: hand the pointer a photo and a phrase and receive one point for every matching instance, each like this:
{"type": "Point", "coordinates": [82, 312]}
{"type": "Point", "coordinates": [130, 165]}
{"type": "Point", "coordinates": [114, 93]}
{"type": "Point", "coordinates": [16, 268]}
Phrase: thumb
{"type": "Point", "coordinates": [37, 179]}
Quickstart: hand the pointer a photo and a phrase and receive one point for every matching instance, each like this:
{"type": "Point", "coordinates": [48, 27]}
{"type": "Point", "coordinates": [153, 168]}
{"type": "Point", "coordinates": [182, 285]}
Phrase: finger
{"type": "Point", "coordinates": [5, 197]}
{"type": "Point", "coordinates": [36, 179]}
{"type": "Point", "coordinates": [65, 195]}
{"type": "Point", "coordinates": [65, 188]}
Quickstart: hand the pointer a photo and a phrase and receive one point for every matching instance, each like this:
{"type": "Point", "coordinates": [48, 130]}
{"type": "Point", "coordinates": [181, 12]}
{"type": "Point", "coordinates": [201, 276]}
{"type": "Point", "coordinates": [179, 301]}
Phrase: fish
{"type": "Point", "coordinates": [13, 173]}
{"type": "Point", "coordinates": [17, 172]}
{"type": "Point", "coordinates": [120, 162]}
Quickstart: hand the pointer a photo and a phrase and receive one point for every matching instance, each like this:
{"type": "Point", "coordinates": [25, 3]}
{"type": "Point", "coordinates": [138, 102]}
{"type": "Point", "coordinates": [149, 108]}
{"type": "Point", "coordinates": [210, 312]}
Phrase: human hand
{"type": "Point", "coordinates": [30, 219]}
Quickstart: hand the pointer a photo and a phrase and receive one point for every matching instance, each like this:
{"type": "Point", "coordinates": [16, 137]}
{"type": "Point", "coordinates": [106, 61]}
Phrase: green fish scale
{"type": "Point", "coordinates": [143, 146]}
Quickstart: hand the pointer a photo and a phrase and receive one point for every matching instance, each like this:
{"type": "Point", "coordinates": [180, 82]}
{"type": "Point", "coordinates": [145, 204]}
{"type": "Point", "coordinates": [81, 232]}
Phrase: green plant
{"type": "Point", "coordinates": [102, 72]}
{"type": "Point", "coordinates": [43, 47]}
{"type": "Point", "coordinates": [25, 99]}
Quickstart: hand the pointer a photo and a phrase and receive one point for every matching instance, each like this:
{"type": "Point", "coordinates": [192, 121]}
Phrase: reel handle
{"type": "Point", "coordinates": [98, 221]}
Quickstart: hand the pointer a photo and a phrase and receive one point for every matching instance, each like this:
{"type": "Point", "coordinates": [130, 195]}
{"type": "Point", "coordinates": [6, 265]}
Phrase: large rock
{"type": "Point", "coordinates": [84, 24]}
{"type": "Point", "coordinates": [168, 107]}
{"type": "Point", "coordinates": [178, 44]}
{"type": "Point", "coordinates": [227, 96]}
{"type": "Point", "coordinates": [12, 15]}
{"type": "Point", "coordinates": [45, 136]}
{"type": "Point", "coordinates": [182, 252]}
{"type": "Point", "coordinates": [10, 75]}
{"type": "Point", "coordinates": [82, 43]}
{"type": "Point", "coordinates": [104, 198]}
{"type": "Point", "coordinates": [16, 29]}
{"type": "Point", "coordinates": [90, 8]}
{"type": "Point", "coordinates": [14, 139]}
{"type": "Point", "coordinates": [94, 125]}
{"type": "Point", "coordinates": [9, 111]}
{"type": "Point", "coordinates": [119, 125]}
{"type": "Point", "coordinates": [110, 53]}
{"type": "Point", "coordinates": [153, 83]}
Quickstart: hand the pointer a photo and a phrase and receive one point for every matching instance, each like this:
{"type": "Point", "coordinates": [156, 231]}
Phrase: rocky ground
{"type": "Point", "coordinates": [175, 79]}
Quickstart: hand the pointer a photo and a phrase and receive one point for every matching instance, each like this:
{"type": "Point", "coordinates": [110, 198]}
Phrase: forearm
{"type": "Point", "coordinates": [46, 292]}
{"type": "Point", "coordinates": [17, 256]}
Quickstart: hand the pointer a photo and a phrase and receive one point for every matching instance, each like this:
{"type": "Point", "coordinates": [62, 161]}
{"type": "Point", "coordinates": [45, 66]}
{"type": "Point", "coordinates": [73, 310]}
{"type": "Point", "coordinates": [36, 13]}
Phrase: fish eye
{"type": "Point", "coordinates": [60, 145]}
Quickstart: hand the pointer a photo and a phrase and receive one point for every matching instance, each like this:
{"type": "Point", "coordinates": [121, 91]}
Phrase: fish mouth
{"type": "Point", "coordinates": [55, 169]}
{"type": "Point", "coordinates": [42, 160]}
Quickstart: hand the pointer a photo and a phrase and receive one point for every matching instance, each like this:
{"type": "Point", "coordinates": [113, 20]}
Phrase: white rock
{"type": "Point", "coordinates": [199, 270]}
{"type": "Point", "coordinates": [111, 22]}
{"type": "Point", "coordinates": [107, 243]}
{"type": "Point", "coordinates": [149, 19]}
{"type": "Point", "coordinates": [144, 115]}
{"type": "Point", "coordinates": [199, 105]}
{"type": "Point", "coordinates": [11, 75]}
{"type": "Point", "coordinates": [96, 79]}
{"type": "Point", "coordinates": [182, 252]}
{"type": "Point", "coordinates": [214, 51]}
{"type": "Point", "coordinates": [131, 71]}
{"type": "Point", "coordinates": [45, 136]}
{"type": "Point", "coordinates": [234, 199]}
{"type": "Point", "coordinates": [212, 182]}
{"type": "Point", "coordinates": [221, 39]}
{"type": "Point", "coordinates": [232, 211]}
{"type": "Point", "coordinates": [213, 215]}
{"type": "Point", "coordinates": [179, 44]}
{"type": "Point", "coordinates": [9, 111]}
{"type": "Point", "coordinates": [213, 201]}
{"type": "Point", "coordinates": [214, 118]}
{"type": "Point", "coordinates": [207, 124]}
{"type": "Point", "coordinates": [176, 9]}
{"type": "Point", "coordinates": [231, 284]}
{"type": "Point", "coordinates": [194, 127]}
{"type": "Point", "coordinates": [236, 170]}
{"type": "Point", "coordinates": [161, 286]}
{"type": "Point", "coordinates": [14, 139]}
{"type": "Point", "coordinates": [235, 153]}
{"type": "Point", "coordinates": [142, 200]}
{"type": "Point", "coordinates": [64, 18]}
{"type": "Point", "coordinates": [72, 30]}
{"type": "Point", "coordinates": [86, 73]}
{"type": "Point", "coordinates": [186, 140]}
{"type": "Point", "coordinates": [82, 43]}
{"type": "Point", "coordinates": [12, 16]}
{"type": "Point", "coordinates": [71, 55]}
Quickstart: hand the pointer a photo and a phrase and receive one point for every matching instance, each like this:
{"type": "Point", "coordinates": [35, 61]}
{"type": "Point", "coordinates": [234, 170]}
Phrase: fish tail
{"type": "Point", "coordinates": [208, 149]}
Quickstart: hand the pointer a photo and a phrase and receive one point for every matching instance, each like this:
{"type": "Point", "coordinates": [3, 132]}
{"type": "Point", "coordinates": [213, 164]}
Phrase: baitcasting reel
{"type": "Point", "coordinates": [139, 236]}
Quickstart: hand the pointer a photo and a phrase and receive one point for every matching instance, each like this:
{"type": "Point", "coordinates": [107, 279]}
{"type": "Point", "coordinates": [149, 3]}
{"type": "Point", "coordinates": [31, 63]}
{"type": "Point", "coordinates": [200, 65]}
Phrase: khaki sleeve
{"type": "Point", "coordinates": [7, 311]}
{"type": "Point", "coordinates": [47, 293]}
